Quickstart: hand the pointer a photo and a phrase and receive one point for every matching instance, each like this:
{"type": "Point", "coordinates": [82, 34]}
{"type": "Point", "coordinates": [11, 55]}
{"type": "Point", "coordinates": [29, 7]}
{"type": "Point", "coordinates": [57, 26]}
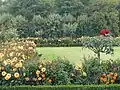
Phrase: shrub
{"type": "Point", "coordinates": [66, 87]}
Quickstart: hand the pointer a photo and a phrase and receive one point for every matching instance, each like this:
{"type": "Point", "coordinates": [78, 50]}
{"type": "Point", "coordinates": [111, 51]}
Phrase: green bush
{"type": "Point", "coordinates": [66, 87]}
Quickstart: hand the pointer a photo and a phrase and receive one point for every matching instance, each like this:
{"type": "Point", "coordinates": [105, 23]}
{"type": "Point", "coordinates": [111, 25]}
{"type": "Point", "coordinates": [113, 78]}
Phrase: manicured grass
{"type": "Point", "coordinates": [74, 54]}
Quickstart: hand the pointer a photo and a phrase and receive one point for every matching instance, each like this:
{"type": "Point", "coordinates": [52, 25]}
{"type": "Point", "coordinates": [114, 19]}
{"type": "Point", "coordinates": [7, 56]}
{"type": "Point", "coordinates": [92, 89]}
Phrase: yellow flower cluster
{"type": "Point", "coordinates": [7, 76]}
{"type": "Point", "coordinates": [14, 53]}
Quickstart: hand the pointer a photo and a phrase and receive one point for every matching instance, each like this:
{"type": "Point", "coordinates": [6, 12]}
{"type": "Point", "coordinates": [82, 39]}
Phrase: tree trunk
{"type": "Point", "coordinates": [98, 54]}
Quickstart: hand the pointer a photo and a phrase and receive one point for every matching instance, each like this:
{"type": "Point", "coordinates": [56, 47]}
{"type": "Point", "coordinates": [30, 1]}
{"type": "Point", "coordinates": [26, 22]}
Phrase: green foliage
{"type": "Point", "coordinates": [64, 87]}
{"type": "Point", "coordinates": [7, 27]}
{"type": "Point", "coordinates": [63, 18]}
{"type": "Point", "coordinates": [100, 44]}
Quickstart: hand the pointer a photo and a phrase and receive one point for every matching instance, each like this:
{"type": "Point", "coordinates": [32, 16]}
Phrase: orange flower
{"type": "Point", "coordinates": [2, 68]}
{"type": "Point", "coordinates": [111, 74]}
{"type": "Point", "coordinates": [34, 79]}
{"type": "Point", "coordinates": [27, 78]}
{"type": "Point", "coordinates": [108, 75]}
{"type": "Point", "coordinates": [4, 73]}
{"type": "Point", "coordinates": [49, 80]}
{"type": "Point", "coordinates": [107, 83]}
{"type": "Point", "coordinates": [101, 78]}
{"type": "Point", "coordinates": [39, 79]}
{"type": "Point", "coordinates": [37, 72]}
{"type": "Point", "coordinates": [43, 75]}
{"type": "Point", "coordinates": [112, 81]}
{"type": "Point", "coordinates": [7, 78]}
{"type": "Point", "coordinates": [114, 78]}
{"type": "Point", "coordinates": [104, 75]}
{"type": "Point", "coordinates": [105, 80]}
{"type": "Point", "coordinates": [16, 75]}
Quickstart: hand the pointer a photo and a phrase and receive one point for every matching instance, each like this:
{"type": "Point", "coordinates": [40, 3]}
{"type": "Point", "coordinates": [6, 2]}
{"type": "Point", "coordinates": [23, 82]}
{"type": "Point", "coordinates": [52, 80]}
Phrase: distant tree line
{"type": "Point", "coordinates": [58, 18]}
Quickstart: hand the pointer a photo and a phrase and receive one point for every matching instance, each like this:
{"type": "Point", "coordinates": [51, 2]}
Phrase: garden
{"type": "Point", "coordinates": [59, 45]}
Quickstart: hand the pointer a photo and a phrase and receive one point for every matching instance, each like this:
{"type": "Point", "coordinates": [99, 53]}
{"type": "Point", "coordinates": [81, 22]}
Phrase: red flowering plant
{"type": "Point", "coordinates": [105, 32]}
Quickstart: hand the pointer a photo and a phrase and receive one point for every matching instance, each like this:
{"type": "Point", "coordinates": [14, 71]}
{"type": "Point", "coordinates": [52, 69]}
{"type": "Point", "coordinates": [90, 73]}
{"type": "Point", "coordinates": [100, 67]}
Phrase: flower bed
{"type": "Point", "coordinates": [20, 65]}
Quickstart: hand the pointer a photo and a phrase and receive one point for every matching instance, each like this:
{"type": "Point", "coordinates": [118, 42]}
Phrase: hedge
{"type": "Point", "coordinates": [66, 42]}
{"type": "Point", "coordinates": [64, 87]}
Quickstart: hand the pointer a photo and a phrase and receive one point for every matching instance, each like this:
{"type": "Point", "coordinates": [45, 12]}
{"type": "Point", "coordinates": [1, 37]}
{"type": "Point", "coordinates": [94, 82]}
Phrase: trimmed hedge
{"type": "Point", "coordinates": [64, 87]}
{"type": "Point", "coordinates": [66, 42]}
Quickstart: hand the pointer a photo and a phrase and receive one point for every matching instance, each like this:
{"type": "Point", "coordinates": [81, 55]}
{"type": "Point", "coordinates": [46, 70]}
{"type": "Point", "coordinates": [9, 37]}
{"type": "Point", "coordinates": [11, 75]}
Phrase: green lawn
{"type": "Point", "coordinates": [74, 54]}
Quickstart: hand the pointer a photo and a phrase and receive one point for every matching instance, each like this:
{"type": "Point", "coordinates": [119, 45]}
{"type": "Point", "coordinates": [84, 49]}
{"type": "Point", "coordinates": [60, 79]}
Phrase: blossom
{"type": "Point", "coordinates": [20, 47]}
{"type": "Point", "coordinates": [39, 79]}
{"type": "Point", "coordinates": [27, 78]}
{"type": "Point", "coordinates": [30, 48]}
{"type": "Point", "coordinates": [37, 72]}
{"type": "Point", "coordinates": [16, 75]}
{"type": "Point", "coordinates": [34, 79]}
{"type": "Point", "coordinates": [49, 80]}
{"type": "Point", "coordinates": [43, 75]}
{"type": "Point", "coordinates": [11, 54]}
{"type": "Point", "coordinates": [1, 55]}
{"type": "Point", "coordinates": [43, 69]}
{"type": "Point", "coordinates": [4, 73]}
{"type": "Point", "coordinates": [5, 63]}
{"type": "Point", "coordinates": [104, 32]}
{"type": "Point", "coordinates": [8, 76]}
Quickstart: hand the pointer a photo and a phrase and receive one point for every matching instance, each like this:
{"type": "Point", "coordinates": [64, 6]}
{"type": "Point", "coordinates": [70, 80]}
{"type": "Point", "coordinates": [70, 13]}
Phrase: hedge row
{"type": "Point", "coordinates": [66, 42]}
{"type": "Point", "coordinates": [70, 87]}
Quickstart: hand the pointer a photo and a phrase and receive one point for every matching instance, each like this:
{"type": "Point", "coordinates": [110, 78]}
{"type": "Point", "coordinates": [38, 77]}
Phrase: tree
{"type": "Point", "coordinates": [53, 26]}
{"type": "Point", "coordinates": [29, 8]}
{"type": "Point", "coordinates": [39, 24]}
{"type": "Point", "coordinates": [7, 27]}
{"type": "Point", "coordinates": [100, 44]}
{"type": "Point", "coordinates": [73, 7]}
